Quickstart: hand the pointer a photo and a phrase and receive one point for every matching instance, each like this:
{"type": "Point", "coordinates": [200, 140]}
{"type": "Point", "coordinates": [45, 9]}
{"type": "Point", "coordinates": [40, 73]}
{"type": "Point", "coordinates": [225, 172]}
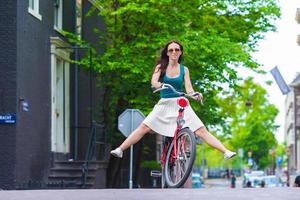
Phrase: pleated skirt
{"type": "Point", "coordinates": [163, 118]}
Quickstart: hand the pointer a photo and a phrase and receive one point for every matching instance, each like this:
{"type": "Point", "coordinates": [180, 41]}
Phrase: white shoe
{"type": "Point", "coordinates": [229, 154]}
{"type": "Point", "coordinates": [117, 152]}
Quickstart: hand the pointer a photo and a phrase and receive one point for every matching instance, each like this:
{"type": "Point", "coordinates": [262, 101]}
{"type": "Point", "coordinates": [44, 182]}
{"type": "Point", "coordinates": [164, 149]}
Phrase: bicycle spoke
{"type": "Point", "coordinates": [175, 173]}
{"type": "Point", "coordinates": [182, 156]}
{"type": "Point", "coordinates": [179, 168]}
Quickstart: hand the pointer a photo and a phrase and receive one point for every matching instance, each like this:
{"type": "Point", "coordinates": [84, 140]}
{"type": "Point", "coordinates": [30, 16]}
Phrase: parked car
{"type": "Point", "coordinates": [256, 181]}
{"type": "Point", "coordinates": [257, 173]}
{"type": "Point", "coordinates": [272, 181]}
{"type": "Point", "coordinates": [253, 179]}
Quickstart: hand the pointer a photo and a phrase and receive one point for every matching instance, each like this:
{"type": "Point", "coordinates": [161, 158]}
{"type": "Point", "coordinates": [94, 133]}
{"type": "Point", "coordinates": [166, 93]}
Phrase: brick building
{"type": "Point", "coordinates": [45, 100]}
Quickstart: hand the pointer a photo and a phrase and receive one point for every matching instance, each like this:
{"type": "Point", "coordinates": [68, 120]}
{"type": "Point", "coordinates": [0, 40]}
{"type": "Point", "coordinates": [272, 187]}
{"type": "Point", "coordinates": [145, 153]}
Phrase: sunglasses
{"type": "Point", "coordinates": [172, 50]}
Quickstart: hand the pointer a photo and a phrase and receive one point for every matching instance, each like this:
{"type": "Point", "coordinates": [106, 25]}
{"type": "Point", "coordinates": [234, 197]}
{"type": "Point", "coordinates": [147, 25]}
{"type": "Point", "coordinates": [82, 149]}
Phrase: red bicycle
{"type": "Point", "coordinates": [179, 152]}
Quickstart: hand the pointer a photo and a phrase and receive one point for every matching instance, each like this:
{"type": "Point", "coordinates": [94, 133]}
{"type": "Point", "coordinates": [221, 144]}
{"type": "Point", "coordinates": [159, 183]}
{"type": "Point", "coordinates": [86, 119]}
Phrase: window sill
{"type": "Point", "coordinates": [35, 14]}
{"type": "Point", "coordinates": [59, 30]}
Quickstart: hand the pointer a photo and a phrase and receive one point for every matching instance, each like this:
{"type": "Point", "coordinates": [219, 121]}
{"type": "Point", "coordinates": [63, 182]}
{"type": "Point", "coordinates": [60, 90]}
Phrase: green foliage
{"type": "Point", "coordinates": [215, 159]}
{"type": "Point", "coordinates": [281, 151]}
{"type": "Point", "coordinates": [151, 164]}
{"type": "Point", "coordinates": [218, 37]}
{"type": "Point", "coordinates": [251, 127]}
{"type": "Point", "coordinates": [212, 157]}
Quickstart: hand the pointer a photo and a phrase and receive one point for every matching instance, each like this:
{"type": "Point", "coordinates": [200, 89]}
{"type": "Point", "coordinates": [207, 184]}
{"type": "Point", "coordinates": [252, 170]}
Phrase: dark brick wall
{"type": "Point", "coordinates": [34, 85]}
{"type": "Point", "coordinates": [90, 25]}
{"type": "Point", "coordinates": [69, 15]}
{"type": "Point", "coordinates": [8, 47]}
{"type": "Point", "coordinates": [25, 73]}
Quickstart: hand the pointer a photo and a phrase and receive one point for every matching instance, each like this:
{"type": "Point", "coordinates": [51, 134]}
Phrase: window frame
{"type": "Point", "coordinates": [33, 9]}
{"type": "Point", "coordinates": [58, 12]}
{"type": "Point", "coordinates": [79, 18]}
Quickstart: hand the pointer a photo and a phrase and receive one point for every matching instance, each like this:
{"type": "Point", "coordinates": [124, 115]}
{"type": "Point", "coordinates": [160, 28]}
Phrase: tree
{"type": "Point", "coordinates": [251, 127]}
{"type": "Point", "coordinates": [218, 35]}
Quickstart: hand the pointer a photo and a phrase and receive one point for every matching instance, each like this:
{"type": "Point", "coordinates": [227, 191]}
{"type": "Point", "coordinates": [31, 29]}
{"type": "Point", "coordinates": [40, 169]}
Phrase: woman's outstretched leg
{"type": "Point", "coordinates": [214, 142]}
{"type": "Point", "coordinates": [133, 138]}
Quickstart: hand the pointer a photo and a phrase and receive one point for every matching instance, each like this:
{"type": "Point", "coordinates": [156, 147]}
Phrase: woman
{"type": "Point", "coordinates": [163, 117]}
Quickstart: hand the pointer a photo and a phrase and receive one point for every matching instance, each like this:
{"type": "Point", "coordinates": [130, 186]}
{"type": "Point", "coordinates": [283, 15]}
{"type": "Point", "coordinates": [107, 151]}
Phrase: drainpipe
{"type": "Point", "coordinates": [75, 140]}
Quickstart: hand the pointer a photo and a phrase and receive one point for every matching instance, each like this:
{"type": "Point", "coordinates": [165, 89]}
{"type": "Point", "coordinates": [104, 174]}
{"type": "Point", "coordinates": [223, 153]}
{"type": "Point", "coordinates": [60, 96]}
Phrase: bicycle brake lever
{"type": "Point", "coordinates": [162, 87]}
{"type": "Point", "coordinates": [198, 94]}
{"type": "Point", "coordinates": [158, 89]}
{"type": "Point", "coordinates": [201, 101]}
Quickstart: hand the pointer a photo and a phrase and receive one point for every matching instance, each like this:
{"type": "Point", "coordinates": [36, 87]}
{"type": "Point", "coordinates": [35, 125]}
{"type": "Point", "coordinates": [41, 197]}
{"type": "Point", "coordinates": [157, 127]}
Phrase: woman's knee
{"type": "Point", "coordinates": [143, 127]}
{"type": "Point", "coordinates": [201, 131]}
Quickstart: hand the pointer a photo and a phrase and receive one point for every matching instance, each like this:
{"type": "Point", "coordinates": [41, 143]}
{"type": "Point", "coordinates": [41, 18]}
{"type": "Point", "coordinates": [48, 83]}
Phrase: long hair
{"type": "Point", "coordinates": [164, 58]}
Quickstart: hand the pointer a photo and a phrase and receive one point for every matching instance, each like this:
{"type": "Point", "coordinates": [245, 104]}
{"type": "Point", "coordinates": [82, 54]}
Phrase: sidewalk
{"type": "Point", "coordinates": [153, 194]}
{"type": "Point", "coordinates": [222, 183]}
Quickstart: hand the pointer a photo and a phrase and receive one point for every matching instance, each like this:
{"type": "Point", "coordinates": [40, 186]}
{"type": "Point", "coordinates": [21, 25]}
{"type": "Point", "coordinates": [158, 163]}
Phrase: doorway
{"type": "Point", "coordinates": [60, 98]}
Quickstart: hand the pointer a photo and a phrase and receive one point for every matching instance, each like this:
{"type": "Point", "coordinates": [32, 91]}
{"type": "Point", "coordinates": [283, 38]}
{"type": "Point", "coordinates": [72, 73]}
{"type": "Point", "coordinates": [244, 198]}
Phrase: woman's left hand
{"type": "Point", "coordinates": [197, 96]}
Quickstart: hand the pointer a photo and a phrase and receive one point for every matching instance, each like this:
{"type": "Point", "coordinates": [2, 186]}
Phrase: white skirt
{"type": "Point", "coordinates": [163, 118]}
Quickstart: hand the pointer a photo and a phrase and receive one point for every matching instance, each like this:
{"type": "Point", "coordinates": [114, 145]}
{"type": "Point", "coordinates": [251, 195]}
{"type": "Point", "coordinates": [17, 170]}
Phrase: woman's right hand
{"type": "Point", "coordinates": [156, 85]}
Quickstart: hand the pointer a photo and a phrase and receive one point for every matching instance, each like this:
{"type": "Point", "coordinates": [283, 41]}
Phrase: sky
{"type": "Point", "coordinates": [280, 49]}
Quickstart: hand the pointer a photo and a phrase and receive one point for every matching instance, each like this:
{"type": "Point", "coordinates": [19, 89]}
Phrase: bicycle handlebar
{"type": "Point", "coordinates": [168, 86]}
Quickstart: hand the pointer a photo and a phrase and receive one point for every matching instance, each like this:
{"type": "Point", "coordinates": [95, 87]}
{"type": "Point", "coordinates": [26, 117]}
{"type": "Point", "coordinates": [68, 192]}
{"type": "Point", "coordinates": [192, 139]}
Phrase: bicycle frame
{"type": "Point", "coordinates": [182, 103]}
{"type": "Point", "coordinates": [172, 155]}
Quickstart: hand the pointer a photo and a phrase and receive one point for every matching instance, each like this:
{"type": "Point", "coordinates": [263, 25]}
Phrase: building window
{"type": "Point", "coordinates": [31, 4]}
{"type": "Point", "coordinates": [33, 8]}
{"type": "Point", "coordinates": [78, 17]}
{"type": "Point", "coordinates": [58, 14]}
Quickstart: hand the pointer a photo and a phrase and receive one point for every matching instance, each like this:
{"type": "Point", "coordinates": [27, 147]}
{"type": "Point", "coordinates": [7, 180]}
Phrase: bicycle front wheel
{"type": "Point", "coordinates": [179, 166]}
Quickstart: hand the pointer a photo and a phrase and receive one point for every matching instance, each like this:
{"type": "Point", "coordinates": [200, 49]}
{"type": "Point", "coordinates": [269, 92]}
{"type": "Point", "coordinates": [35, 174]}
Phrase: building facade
{"type": "Point", "coordinates": [292, 126]}
{"type": "Point", "coordinates": [292, 122]}
{"type": "Point", "coordinates": [45, 100]}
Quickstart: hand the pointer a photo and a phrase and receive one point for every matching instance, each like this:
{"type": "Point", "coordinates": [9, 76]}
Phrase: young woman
{"type": "Point", "coordinates": [163, 117]}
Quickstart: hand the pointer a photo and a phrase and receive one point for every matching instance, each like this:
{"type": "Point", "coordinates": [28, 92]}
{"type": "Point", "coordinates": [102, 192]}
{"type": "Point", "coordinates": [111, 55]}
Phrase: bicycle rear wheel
{"type": "Point", "coordinates": [177, 169]}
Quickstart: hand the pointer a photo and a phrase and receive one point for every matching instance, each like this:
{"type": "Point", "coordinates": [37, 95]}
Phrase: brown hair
{"type": "Point", "coordinates": [164, 58]}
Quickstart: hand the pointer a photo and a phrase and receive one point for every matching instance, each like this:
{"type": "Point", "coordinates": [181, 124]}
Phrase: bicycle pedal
{"type": "Point", "coordinates": [155, 173]}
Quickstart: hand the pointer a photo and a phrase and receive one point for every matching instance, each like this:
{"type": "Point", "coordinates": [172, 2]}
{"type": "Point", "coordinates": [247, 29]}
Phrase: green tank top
{"type": "Point", "coordinates": [176, 82]}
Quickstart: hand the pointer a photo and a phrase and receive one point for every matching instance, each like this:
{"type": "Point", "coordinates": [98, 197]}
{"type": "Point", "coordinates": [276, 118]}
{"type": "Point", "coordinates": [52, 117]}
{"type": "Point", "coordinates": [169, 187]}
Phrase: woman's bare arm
{"type": "Point", "coordinates": [187, 81]}
{"type": "Point", "coordinates": [155, 77]}
{"type": "Point", "coordinates": [188, 86]}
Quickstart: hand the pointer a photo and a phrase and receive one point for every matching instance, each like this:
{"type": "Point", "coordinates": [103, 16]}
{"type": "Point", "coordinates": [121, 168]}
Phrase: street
{"type": "Point", "coordinates": [149, 194]}
{"type": "Point", "coordinates": [213, 189]}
